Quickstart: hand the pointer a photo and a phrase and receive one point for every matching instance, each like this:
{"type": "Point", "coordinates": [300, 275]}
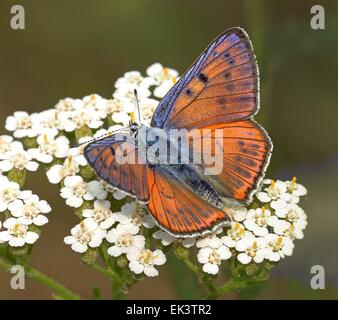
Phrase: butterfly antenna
{"type": "Point", "coordinates": [138, 106]}
{"type": "Point", "coordinates": [108, 134]}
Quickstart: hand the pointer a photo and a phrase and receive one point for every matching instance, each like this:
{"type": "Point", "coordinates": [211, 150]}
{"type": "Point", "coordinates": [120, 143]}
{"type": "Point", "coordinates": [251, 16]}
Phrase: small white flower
{"type": "Point", "coordinates": [123, 240]}
{"type": "Point", "coordinates": [278, 247]}
{"type": "Point", "coordinates": [97, 189]}
{"type": "Point", "coordinates": [167, 239]}
{"type": "Point", "coordinates": [134, 213]}
{"type": "Point", "coordinates": [161, 74]}
{"type": "Point", "coordinates": [210, 240]}
{"type": "Point", "coordinates": [144, 261]}
{"type": "Point", "coordinates": [59, 171]}
{"type": "Point", "coordinates": [238, 214]}
{"type": "Point", "coordinates": [296, 190]}
{"type": "Point", "coordinates": [22, 124]}
{"type": "Point", "coordinates": [10, 194]}
{"type": "Point", "coordinates": [83, 118]}
{"type": "Point", "coordinates": [101, 214]}
{"type": "Point", "coordinates": [292, 213]}
{"type": "Point", "coordinates": [163, 88]}
{"type": "Point", "coordinates": [133, 80]}
{"type": "Point", "coordinates": [236, 233]}
{"type": "Point", "coordinates": [75, 191]}
{"type": "Point", "coordinates": [50, 121]}
{"type": "Point", "coordinates": [251, 249]}
{"type": "Point", "coordinates": [258, 220]}
{"type": "Point", "coordinates": [77, 153]}
{"type": "Point", "coordinates": [85, 234]}
{"type": "Point", "coordinates": [17, 158]}
{"type": "Point", "coordinates": [148, 107]}
{"type": "Point", "coordinates": [17, 234]}
{"type": "Point", "coordinates": [96, 103]}
{"type": "Point", "coordinates": [121, 117]}
{"type": "Point", "coordinates": [114, 105]}
{"type": "Point", "coordinates": [117, 194]}
{"type": "Point", "coordinates": [289, 230]}
{"type": "Point", "coordinates": [276, 190]}
{"type": "Point", "coordinates": [64, 105]}
{"type": "Point", "coordinates": [49, 147]}
{"type": "Point", "coordinates": [6, 143]}
{"type": "Point", "coordinates": [31, 210]}
{"type": "Point", "coordinates": [164, 78]}
{"type": "Point", "coordinates": [211, 258]}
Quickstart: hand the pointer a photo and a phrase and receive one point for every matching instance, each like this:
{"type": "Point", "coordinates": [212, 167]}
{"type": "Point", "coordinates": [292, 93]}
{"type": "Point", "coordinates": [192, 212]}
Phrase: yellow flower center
{"type": "Point", "coordinates": [125, 240]}
{"type": "Point", "coordinates": [214, 257]}
{"type": "Point", "coordinates": [146, 257]}
{"type": "Point", "coordinates": [8, 194]}
{"type": "Point", "coordinates": [24, 122]}
{"type": "Point", "coordinates": [101, 214]}
{"type": "Point", "coordinates": [31, 210]}
{"type": "Point", "coordinates": [19, 161]}
{"type": "Point", "coordinates": [18, 230]}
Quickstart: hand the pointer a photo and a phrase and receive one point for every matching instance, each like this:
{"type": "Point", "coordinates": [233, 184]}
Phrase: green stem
{"type": "Point", "coordinates": [202, 277]}
{"type": "Point", "coordinates": [34, 274]}
{"type": "Point", "coordinates": [231, 285]}
{"type": "Point", "coordinates": [107, 272]}
{"type": "Point", "coordinates": [118, 287]}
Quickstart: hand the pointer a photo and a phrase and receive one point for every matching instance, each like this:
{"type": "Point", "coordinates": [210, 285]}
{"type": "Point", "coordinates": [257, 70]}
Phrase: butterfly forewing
{"type": "Point", "coordinates": [128, 174]}
{"type": "Point", "coordinates": [220, 87]}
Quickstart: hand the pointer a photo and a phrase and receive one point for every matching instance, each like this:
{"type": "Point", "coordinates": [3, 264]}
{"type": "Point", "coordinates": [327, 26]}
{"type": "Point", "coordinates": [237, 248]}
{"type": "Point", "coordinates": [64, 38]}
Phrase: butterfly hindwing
{"type": "Point", "coordinates": [129, 174]}
{"type": "Point", "coordinates": [245, 155]}
{"type": "Point", "coordinates": [177, 208]}
{"type": "Point", "coordinates": [220, 87]}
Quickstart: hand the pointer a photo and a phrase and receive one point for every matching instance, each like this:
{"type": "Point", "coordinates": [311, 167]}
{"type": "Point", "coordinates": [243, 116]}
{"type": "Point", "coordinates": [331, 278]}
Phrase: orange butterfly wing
{"type": "Point", "coordinates": [178, 210]}
{"type": "Point", "coordinates": [246, 154]}
{"type": "Point", "coordinates": [105, 156]}
{"type": "Point", "coordinates": [222, 86]}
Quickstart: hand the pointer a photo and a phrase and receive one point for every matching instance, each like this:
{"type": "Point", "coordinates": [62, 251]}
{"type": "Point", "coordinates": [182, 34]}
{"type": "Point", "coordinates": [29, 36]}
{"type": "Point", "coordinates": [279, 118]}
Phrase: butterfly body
{"type": "Point", "coordinates": [215, 100]}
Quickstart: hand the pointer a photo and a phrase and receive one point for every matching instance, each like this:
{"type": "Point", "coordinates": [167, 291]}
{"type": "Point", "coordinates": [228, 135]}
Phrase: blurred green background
{"type": "Point", "coordinates": [74, 48]}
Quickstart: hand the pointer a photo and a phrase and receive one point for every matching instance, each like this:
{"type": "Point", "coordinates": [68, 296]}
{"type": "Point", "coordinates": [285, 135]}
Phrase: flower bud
{"type": "Point", "coordinates": [90, 256]}
{"type": "Point", "coordinates": [181, 252]}
{"type": "Point", "coordinates": [122, 262]}
{"type": "Point", "coordinates": [84, 131]}
{"type": "Point", "coordinates": [18, 176]}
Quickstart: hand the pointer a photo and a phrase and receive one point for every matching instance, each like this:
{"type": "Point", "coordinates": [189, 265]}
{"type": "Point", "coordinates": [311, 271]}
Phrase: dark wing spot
{"type": "Point", "coordinates": [241, 143]}
{"type": "Point", "coordinates": [246, 161]}
{"type": "Point", "coordinates": [188, 92]}
{"type": "Point", "coordinates": [112, 151]}
{"type": "Point", "coordinates": [249, 152]}
{"type": "Point", "coordinates": [202, 77]}
{"type": "Point", "coordinates": [230, 87]}
{"type": "Point", "coordinates": [243, 172]}
{"type": "Point", "coordinates": [227, 75]}
{"type": "Point", "coordinates": [227, 55]}
{"type": "Point", "coordinates": [255, 146]}
{"type": "Point", "coordinates": [221, 100]}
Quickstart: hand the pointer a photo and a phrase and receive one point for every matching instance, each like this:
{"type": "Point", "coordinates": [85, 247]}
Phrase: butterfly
{"type": "Point", "coordinates": [220, 91]}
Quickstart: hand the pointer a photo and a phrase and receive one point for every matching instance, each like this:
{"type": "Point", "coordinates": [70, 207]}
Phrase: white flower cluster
{"type": "Point", "coordinates": [266, 230]}
{"type": "Point", "coordinates": [22, 210]}
{"type": "Point", "coordinates": [14, 156]}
